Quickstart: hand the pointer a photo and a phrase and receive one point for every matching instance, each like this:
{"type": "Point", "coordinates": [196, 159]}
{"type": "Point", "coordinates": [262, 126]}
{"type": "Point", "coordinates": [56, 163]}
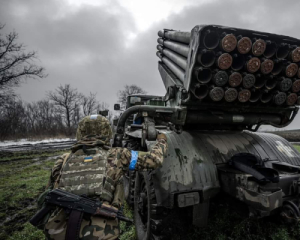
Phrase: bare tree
{"type": "Point", "coordinates": [68, 100]}
{"type": "Point", "coordinates": [16, 65]}
{"type": "Point", "coordinates": [89, 104]}
{"type": "Point", "coordinates": [129, 90]}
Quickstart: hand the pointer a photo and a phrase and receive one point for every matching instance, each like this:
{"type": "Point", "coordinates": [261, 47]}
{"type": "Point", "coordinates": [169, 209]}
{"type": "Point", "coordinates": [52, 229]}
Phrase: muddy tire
{"type": "Point", "coordinates": [129, 184]}
{"type": "Point", "coordinates": [148, 222]}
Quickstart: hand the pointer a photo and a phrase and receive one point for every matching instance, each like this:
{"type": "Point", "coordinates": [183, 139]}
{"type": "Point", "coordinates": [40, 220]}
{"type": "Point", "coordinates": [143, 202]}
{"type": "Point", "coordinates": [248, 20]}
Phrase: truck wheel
{"type": "Point", "coordinates": [129, 183]}
{"type": "Point", "coordinates": [147, 222]}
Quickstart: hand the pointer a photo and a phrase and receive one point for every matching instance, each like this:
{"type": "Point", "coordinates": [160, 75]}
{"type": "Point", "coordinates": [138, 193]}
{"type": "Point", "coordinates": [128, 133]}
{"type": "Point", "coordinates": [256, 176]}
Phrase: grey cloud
{"type": "Point", "coordinates": [86, 47]}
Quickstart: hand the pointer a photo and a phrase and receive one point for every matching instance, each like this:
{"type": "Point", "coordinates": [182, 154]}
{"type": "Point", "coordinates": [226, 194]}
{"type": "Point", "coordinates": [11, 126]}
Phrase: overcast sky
{"type": "Point", "coordinates": [101, 45]}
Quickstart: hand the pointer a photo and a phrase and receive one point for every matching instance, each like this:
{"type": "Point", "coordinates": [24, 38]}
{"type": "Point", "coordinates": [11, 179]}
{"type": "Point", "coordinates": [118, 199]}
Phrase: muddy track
{"type": "Point", "coordinates": [38, 146]}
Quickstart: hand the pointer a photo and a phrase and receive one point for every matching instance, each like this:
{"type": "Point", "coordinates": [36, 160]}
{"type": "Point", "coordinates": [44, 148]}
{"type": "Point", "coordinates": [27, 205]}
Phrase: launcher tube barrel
{"type": "Point", "coordinates": [176, 58]}
{"type": "Point", "coordinates": [173, 67]}
{"type": "Point", "coordinates": [180, 48]}
{"type": "Point", "coordinates": [183, 37]}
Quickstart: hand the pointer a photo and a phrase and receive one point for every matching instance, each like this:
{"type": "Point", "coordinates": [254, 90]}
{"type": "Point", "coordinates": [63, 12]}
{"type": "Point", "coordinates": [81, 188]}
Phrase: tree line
{"type": "Point", "coordinates": [56, 115]}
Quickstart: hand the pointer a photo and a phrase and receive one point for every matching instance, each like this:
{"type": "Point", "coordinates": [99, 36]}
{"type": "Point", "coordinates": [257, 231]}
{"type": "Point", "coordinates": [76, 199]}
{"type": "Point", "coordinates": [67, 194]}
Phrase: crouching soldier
{"type": "Point", "coordinates": [95, 171]}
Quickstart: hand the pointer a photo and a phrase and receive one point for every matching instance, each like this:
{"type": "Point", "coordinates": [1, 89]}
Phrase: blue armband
{"type": "Point", "coordinates": [134, 158]}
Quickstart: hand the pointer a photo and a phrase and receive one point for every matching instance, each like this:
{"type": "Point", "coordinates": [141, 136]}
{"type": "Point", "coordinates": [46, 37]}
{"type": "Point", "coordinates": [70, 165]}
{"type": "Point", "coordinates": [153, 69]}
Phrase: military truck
{"type": "Point", "coordinates": [222, 84]}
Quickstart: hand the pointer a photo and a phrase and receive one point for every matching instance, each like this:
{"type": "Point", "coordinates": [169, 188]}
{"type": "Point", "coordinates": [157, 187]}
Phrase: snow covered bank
{"type": "Point", "coordinates": [26, 141]}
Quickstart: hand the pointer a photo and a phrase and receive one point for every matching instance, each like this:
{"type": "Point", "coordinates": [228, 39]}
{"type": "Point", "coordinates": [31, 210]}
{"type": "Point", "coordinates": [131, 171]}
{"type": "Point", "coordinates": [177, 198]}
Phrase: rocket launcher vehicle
{"type": "Point", "coordinates": [223, 77]}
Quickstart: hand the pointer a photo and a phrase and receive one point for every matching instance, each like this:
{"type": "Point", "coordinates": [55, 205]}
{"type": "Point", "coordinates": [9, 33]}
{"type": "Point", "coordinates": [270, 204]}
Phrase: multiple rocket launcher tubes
{"type": "Point", "coordinates": [235, 68]}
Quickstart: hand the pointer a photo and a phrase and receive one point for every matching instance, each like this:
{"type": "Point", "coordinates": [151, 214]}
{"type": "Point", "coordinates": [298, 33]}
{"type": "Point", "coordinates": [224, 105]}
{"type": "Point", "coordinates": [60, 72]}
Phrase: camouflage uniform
{"type": "Point", "coordinates": [117, 163]}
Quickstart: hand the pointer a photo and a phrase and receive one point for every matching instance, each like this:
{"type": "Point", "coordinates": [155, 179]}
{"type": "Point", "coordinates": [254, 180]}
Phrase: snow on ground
{"type": "Point", "coordinates": [26, 141]}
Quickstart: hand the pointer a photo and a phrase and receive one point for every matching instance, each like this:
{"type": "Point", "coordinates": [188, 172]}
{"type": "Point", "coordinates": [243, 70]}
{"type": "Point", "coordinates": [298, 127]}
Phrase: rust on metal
{"type": "Point", "coordinates": [216, 94]}
{"type": "Point", "coordinates": [231, 94]}
{"type": "Point", "coordinates": [296, 55]}
{"type": "Point", "coordinates": [224, 61]}
{"type": "Point", "coordinates": [253, 65]}
{"type": "Point", "coordinates": [296, 86]}
{"type": "Point", "coordinates": [267, 66]}
{"type": "Point", "coordinates": [291, 70]}
{"type": "Point", "coordinates": [244, 45]}
{"type": "Point", "coordinates": [244, 95]}
{"type": "Point", "coordinates": [291, 99]}
{"type": "Point", "coordinates": [235, 79]}
{"type": "Point", "coordinates": [229, 43]}
{"type": "Point", "coordinates": [259, 47]}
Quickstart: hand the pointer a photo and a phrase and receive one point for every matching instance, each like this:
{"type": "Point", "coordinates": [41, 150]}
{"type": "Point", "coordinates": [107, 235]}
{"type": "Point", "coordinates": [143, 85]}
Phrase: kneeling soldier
{"type": "Point", "coordinates": [95, 171]}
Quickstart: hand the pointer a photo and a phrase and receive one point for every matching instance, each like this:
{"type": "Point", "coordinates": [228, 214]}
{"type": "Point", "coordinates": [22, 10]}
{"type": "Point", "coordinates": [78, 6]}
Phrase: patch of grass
{"type": "Point", "coordinates": [28, 233]}
{"type": "Point", "coordinates": [297, 147]}
{"type": "Point", "coordinates": [127, 229]}
{"type": "Point", "coordinates": [21, 182]}
{"type": "Point", "coordinates": [28, 155]}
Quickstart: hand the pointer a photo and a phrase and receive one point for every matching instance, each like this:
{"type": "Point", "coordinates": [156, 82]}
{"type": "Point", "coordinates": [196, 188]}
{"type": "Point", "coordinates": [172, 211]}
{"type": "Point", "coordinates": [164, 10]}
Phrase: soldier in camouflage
{"type": "Point", "coordinates": [95, 170]}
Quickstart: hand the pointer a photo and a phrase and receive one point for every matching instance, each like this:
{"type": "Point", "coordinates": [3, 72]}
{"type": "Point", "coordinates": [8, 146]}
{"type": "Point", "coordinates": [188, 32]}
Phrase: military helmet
{"type": "Point", "coordinates": [94, 125]}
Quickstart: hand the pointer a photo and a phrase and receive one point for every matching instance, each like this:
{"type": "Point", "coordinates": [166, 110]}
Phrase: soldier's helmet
{"type": "Point", "coordinates": [94, 125]}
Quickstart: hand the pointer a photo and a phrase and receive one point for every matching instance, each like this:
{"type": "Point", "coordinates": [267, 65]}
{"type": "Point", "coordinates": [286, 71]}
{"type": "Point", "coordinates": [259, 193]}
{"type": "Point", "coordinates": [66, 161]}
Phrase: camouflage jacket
{"type": "Point", "coordinates": [118, 161]}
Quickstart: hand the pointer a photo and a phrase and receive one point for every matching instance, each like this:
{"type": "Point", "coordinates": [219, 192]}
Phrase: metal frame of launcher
{"type": "Point", "coordinates": [238, 74]}
{"type": "Point", "coordinates": [216, 78]}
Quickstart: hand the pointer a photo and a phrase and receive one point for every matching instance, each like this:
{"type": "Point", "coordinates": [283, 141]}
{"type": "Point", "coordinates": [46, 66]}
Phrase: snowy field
{"type": "Point", "coordinates": [27, 145]}
{"type": "Point", "coordinates": [26, 141]}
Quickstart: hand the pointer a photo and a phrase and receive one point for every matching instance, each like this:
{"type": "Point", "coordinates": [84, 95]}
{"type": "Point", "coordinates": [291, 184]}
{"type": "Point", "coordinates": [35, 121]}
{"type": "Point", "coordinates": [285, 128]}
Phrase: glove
{"type": "Point", "coordinates": [161, 136]}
